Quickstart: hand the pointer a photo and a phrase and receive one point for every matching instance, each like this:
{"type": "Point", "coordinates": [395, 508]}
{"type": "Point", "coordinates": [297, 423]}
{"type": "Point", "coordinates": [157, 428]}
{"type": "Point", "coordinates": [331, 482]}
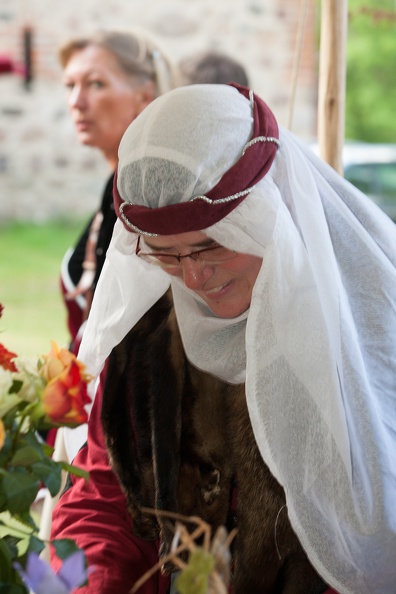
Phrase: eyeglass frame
{"type": "Point", "coordinates": [179, 257]}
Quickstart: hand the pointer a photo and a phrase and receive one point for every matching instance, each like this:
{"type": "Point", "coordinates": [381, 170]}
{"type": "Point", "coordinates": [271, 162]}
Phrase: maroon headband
{"type": "Point", "coordinates": [201, 212]}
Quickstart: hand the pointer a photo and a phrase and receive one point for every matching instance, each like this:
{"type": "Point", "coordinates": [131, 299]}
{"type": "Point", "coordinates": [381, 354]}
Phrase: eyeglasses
{"type": "Point", "coordinates": [215, 254]}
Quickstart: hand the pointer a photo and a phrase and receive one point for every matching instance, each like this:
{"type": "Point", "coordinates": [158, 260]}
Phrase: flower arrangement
{"type": "Point", "coordinates": [35, 396]}
{"type": "Point", "coordinates": [208, 568]}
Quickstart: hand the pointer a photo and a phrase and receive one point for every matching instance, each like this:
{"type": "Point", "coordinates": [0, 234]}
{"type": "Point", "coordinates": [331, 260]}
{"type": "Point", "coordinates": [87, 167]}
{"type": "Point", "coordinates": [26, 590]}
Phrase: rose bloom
{"type": "Point", "coordinates": [65, 395]}
{"type": "Point", "coordinates": [6, 358]}
{"type": "Point", "coordinates": [56, 361]}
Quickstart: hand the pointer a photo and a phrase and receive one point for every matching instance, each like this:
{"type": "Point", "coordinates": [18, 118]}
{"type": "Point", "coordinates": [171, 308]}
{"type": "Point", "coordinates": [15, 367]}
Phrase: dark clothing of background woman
{"type": "Point", "coordinates": [73, 266]}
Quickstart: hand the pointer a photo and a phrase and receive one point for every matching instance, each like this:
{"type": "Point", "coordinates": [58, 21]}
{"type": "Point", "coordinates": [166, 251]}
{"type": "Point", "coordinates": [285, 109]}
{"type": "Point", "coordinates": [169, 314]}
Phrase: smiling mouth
{"type": "Point", "coordinates": [216, 291]}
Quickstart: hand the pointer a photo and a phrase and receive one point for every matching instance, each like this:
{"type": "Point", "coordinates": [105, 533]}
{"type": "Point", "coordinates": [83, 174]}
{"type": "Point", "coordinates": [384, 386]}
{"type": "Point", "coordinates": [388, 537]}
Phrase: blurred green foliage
{"type": "Point", "coordinates": [371, 68]}
{"type": "Point", "coordinates": [30, 262]}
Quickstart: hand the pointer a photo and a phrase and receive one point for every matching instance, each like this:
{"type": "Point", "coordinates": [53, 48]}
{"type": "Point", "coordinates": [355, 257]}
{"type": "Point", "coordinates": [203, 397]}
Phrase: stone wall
{"type": "Point", "coordinates": [44, 172]}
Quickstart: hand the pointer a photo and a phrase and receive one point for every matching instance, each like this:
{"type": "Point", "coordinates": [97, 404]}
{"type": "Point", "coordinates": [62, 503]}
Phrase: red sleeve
{"type": "Point", "coordinates": [94, 514]}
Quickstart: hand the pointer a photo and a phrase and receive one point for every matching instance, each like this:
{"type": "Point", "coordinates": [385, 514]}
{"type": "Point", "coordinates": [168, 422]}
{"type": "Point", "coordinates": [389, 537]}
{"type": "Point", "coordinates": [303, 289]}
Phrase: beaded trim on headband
{"type": "Point", "coordinates": [194, 214]}
{"type": "Point", "coordinates": [204, 198]}
{"type": "Point", "coordinates": [130, 225]}
{"type": "Point", "coordinates": [222, 200]}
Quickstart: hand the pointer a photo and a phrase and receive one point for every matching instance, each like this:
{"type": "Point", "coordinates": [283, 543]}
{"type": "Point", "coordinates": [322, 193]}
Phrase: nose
{"type": "Point", "coordinates": [195, 274]}
{"type": "Point", "coordinates": [77, 97]}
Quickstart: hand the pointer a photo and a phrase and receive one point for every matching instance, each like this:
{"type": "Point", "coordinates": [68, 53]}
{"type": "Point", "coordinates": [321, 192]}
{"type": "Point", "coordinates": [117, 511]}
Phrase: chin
{"type": "Point", "coordinates": [85, 139]}
{"type": "Point", "coordinates": [228, 311]}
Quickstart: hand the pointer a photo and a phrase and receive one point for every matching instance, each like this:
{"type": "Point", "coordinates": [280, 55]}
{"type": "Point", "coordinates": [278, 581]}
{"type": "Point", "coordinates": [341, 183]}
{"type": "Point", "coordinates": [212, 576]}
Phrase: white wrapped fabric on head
{"type": "Point", "coordinates": [317, 348]}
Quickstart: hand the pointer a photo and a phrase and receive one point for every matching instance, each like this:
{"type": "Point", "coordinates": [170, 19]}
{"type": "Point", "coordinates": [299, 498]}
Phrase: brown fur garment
{"type": "Point", "coordinates": [178, 439]}
{"type": "Point", "coordinates": [150, 417]}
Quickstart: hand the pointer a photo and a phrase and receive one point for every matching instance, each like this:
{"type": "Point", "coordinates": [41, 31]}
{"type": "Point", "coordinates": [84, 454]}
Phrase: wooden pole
{"type": "Point", "coordinates": [332, 81]}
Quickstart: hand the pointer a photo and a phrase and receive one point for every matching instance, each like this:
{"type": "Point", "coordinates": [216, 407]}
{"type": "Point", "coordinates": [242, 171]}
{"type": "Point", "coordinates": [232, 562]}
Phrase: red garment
{"type": "Point", "coordinates": [94, 514]}
{"type": "Point", "coordinates": [74, 316]}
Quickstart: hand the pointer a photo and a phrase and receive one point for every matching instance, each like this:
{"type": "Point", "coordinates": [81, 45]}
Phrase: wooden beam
{"type": "Point", "coordinates": [332, 81]}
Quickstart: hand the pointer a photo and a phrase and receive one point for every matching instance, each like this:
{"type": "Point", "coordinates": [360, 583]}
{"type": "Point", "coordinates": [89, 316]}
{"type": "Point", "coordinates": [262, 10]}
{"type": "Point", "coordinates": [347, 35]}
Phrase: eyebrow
{"type": "Point", "coordinates": [202, 244]}
{"type": "Point", "coordinates": [92, 72]}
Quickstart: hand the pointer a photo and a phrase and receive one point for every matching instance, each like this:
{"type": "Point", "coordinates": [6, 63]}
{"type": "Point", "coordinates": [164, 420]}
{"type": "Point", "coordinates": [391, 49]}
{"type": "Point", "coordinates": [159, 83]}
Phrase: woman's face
{"type": "Point", "coordinates": [225, 287]}
{"type": "Point", "coordinates": [102, 100]}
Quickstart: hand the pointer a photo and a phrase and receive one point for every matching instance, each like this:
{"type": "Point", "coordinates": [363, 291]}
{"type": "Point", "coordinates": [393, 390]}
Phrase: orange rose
{"type": "Point", "coordinates": [56, 361]}
{"type": "Point", "coordinates": [65, 396]}
{"type": "Point", "coordinates": [6, 358]}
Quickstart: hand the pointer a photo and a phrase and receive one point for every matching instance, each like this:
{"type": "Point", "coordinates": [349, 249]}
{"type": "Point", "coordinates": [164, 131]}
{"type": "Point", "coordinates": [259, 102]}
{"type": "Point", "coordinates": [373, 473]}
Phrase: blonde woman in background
{"type": "Point", "coordinates": [110, 76]}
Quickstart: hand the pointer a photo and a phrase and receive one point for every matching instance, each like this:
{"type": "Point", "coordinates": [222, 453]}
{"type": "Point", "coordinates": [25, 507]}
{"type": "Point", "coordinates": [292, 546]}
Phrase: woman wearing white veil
{"type": "Point", "coordinates": [313, 336]}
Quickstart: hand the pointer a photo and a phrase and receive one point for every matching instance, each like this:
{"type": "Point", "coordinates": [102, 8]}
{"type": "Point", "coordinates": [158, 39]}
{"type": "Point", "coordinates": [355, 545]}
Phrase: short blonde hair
{"type": "Point", "coordinates": [136, 52]}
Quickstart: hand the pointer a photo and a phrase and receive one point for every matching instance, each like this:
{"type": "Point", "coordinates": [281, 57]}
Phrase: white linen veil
{"type": "Point", "coordinates": [317, 347]}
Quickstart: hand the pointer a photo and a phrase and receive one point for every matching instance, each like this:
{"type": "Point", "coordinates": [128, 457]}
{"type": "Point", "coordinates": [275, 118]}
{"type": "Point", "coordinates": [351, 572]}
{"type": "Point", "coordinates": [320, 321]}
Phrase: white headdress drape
{"type": "Point", "coordinates": [317, 347]}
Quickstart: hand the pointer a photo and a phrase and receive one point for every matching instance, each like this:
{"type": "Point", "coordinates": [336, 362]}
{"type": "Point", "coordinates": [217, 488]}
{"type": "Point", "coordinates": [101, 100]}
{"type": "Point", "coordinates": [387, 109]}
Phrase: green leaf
{"type": "Point", "coordinates": [21, 489]}
{"type": "Point", "coordinates": [22, 545]}
{"type": "Point", "coordinates": [50, 473]}
{"type": "Point", "coordinates": [64, 547]}
{"type": "Point", "coordinates": [12, 589]}
{"type": "Point", "coordinates": [5, 562]}
{"type": "Point", "coordinates": [11, 543]}
{"type": "Point", "coordinates": [5, 450]}
{"type": "Point", "coordinates": [24, 518]}
{"type": "Point", "coordinates": [10, 581]}
{"type": "Point", "coordinates": [3, 497]}
{"type": "Point", "coordinates": [25, 456]}
{"type": "Point", "coordinates": [36, 545]}
{"type": "Point", "coordinates": [34, 440]}
{"type": "Point", "coordinates": [16, 532]}
{"type": "Point", "coordinates": [11, 525]}
{"type": "Point", "coordinates": [16, 386]}
{"type": "Point", "coordinates": [75, 470]}
{"type": "Point", "coordinates": [47, 449]}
